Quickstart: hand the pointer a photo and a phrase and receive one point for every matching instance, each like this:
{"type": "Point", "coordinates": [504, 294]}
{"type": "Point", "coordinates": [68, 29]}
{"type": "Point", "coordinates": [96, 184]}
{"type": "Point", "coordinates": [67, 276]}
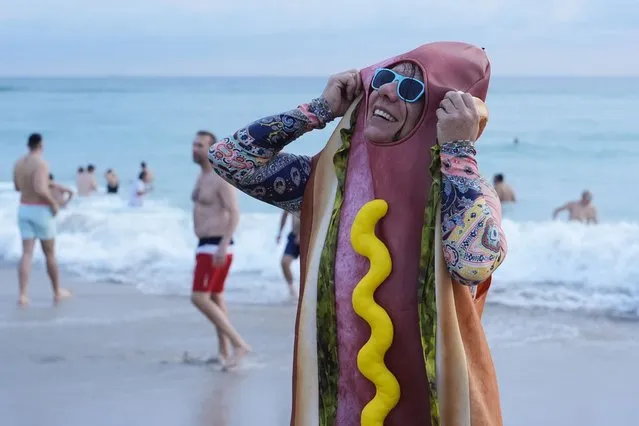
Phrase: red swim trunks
{"type": "Point", "coordinates": [207, 277]}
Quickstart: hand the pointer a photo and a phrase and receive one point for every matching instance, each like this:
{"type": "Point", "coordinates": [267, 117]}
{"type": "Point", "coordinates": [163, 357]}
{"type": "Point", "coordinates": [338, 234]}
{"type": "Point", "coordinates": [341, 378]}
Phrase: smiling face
{"type": "Point", "coordinates": [389, 118]}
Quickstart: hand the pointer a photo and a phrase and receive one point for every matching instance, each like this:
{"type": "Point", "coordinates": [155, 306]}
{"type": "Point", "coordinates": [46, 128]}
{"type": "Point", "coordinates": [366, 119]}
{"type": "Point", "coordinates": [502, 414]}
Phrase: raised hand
{"type": "Point", "coordinates": [457, 118]}
{"type": "Point", "coordinates": [341, 90]}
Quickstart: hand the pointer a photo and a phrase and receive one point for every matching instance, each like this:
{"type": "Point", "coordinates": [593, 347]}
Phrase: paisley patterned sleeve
{"type": "Point", "coordinates": [251, 160]}
{"type": "Point", "coordinates": [474, 242]}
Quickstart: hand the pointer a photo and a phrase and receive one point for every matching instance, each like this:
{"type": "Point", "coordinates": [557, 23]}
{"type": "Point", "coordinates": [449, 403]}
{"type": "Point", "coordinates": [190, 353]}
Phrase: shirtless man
{"type": "Point", "coordinates": [504, 191]}
{"type": "Point", "coordinates": [79, 177]}
{"type": "Point", "coordinates": [215, 218]}
{"type": "Point", "coordinates": [581, 211]}
{"type": "Point", "coordinates": [85, 181]}
{"type": "Point", "coordinates": [59, 192]}
{"type": "Point", "coordinates": [36, 217]}
{"type": "Point", "coordinates": [292, 250]}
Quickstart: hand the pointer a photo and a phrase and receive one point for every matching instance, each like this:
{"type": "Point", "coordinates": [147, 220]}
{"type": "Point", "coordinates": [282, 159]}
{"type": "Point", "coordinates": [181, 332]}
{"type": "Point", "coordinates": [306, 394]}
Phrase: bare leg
{"type": "Point", "coordinates": [215, 314]}
{"type": "Point", "coordinates": [223, 340]}
{"type": "Point", "coordinates": [24, 270]}
{"type": "Point", "coordinates": [48, 247]}
{"type": "Point", "coordinates": [288, 275]}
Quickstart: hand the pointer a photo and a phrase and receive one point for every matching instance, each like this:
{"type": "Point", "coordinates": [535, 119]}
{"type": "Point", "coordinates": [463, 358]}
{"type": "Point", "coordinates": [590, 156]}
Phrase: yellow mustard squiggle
{"type": "Point", "coordinates": [370, 358]}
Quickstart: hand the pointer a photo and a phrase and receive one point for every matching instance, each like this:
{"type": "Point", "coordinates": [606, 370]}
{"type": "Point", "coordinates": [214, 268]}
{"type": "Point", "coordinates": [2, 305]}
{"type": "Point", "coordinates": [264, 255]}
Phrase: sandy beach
{"type": "Point", "coordinates": [112, 356]}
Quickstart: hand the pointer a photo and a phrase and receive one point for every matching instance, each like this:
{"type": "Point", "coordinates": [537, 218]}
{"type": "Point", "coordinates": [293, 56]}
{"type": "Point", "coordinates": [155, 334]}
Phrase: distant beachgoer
{"type": "Point", "coordinates": [149, 174]}
{"type": "Point", "coordinates": [516, 141]}
{"type": "Point", "coordinates": [59, 192]}
{"type": "Point", "coordinates": [215, 218]}
{"type": "Point", "coordinates": [112, 182]}
{"type": "Point", "coordinates": [85, 181]}
{"type": "Point", "coordinates": [79, 178]}
{"type": "Point", "coordinates": [138, 190]}
{"type": "Point", "coordinates": [292, 250]}
{"type": "Point", "coordinates": [504, 191]}
{"type": "Point", "coordinates": [581, 211]}
{"type": "Point", "coordinates": [92, 179]}
{"type": "Point", "coordinates": [36, 217]}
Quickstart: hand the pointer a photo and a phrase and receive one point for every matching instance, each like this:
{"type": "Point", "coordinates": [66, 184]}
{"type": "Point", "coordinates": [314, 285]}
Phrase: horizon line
{"type": "Point", "coordinates": [124, 75]}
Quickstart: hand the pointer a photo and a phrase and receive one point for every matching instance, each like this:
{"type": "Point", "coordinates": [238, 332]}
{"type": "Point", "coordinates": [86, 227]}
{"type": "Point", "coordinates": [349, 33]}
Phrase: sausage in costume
{"type": "Point", "coordinates": [398, 245]}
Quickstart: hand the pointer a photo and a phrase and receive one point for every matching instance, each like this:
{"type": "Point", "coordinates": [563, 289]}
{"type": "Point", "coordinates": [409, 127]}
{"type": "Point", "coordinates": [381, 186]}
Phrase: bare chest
{"type": "Point", "coordinates": [206, 191]}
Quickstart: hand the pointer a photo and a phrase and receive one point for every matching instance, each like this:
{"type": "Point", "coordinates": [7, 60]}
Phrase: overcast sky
{"type": "Point", "coordinates": [310, 37]}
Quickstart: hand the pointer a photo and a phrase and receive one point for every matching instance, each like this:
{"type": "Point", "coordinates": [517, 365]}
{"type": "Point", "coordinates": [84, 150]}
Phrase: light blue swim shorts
{"type": "Point", "coordinates": [36, 222]}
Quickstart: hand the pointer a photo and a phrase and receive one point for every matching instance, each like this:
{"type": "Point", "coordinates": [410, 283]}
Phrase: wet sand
{"type": "Point", "coordinates": [112, 356]}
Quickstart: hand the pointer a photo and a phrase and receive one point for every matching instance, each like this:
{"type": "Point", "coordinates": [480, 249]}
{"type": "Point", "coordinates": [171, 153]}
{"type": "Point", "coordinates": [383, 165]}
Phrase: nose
{"type": "Point", "coordinates": [390, 91]}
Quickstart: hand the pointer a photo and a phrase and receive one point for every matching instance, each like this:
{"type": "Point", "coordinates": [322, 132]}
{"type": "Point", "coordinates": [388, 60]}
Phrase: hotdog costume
{"type": "Point", "coordinates": [398, 245]}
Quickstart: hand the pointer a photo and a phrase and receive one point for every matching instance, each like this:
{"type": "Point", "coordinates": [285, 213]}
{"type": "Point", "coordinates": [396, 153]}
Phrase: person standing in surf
{"type": "Point", "coordinates": [215, 217]}
{"type": "Point", "coordinates": [36, 217]}
{"type": "Point", "coordinates": [62, 194]}
{"type": "Point", "coordinates": [291, 251]}
{"type": "Point", "coordinates": [112, 181]}
{"type": "Point", "coordinates": [582, 210]}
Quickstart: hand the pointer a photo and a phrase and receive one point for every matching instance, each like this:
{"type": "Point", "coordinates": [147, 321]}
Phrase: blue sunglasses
{"type": "Point", "coordinates": [408, 89]}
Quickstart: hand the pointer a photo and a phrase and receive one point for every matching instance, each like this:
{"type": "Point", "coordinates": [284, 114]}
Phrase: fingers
{"type": "Point", "coordinates": [447, 105]}
{"type": "Point", "coordinates": [456, 98]}
{"type": "Point", "coordinates": [353, 84]}
{"type": "Point", "coordinates": [469, 101]}
{"type": "Point", "coordinates": [358, 83]}
{"type": "Point", "coordinates": [460, 101]}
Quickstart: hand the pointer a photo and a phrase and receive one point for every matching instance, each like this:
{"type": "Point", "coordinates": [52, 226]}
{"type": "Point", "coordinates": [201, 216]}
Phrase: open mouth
{"type": "Point", "coordinates": [378, 112]}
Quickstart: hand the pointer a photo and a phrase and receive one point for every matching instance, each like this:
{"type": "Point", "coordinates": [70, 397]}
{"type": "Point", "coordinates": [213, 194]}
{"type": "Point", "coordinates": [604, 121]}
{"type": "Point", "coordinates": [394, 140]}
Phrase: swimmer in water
{"type": "Point", "coordinates": [148, 173]}
{"type": "Point", "coordinates": [85, 181]}
{"type": "Point", "coordinates": [580, 211]}
{"type": "Point", "coordinates": [504, 191]}
{"type": "Point", "coordinates": [59, 192]}
{"type": "Point", "coordinates": [112, 182]}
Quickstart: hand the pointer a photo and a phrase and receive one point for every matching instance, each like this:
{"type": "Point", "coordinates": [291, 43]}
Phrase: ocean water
{"type": "Point", "coordinates": [574, 133]}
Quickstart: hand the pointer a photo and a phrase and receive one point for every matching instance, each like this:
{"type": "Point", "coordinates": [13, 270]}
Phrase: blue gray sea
{"type": "Point", "coordinates": [574, 134]}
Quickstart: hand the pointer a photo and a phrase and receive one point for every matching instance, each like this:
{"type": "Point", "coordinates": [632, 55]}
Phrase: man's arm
{"type": "Point", "coordinates": [282, 224]}
{"type": "Point", "coordinates": [194, 193]}
{"type": "Point", "coordinates": [15, 178]}
{"type": "Point", "coordinates": [251, 160]}
{"type": "Point", "coordinates": [560, 209]}
{"type": "Point", "coordinates": [229, 201]}
{"type": "Point", "coordinates": [64, 190]}
{"type": "Point", "coordinates": [473, 240]}
{"type": "Point", "coordinates": [68, 191]}
{"type": "Point", "coordinates": [41, 185]}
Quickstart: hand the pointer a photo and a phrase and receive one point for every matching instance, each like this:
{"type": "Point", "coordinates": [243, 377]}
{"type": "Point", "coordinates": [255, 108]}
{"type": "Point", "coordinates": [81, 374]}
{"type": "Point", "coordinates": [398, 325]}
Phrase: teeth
{"type": "Point", "coordinates": [384, 115]}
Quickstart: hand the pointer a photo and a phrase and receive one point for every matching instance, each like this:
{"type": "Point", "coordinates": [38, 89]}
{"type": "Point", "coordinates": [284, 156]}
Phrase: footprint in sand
{"type": "Point", "coordinates": [189, 359]}
{"type": "Point", "coordinates": [231, 365]}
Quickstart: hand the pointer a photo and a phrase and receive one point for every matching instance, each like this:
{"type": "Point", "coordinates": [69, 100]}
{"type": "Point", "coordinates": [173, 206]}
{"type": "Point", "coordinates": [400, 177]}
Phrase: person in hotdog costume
{"type": "Point", "coordinates": [400, 236]}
